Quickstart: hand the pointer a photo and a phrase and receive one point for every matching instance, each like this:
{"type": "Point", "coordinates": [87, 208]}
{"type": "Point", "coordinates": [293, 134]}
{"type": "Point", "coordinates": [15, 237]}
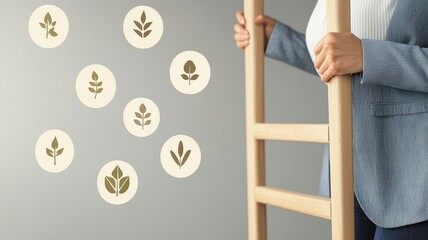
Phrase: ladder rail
{"type": "Point", "coordinates": [340, 122]}
{"type": "Point", "coordinates": [254, 94]}
{"type": "Point", "coordinates": [338, 133]}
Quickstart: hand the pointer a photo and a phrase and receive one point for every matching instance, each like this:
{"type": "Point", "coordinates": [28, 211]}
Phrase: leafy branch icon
{"type": "Point", "coordinates": [189, 68]}
{"type": "Point", "coordinates": [116, 183]}
{"type": "Point", "coordinates": [179, 160]}
{"type": "Point", "coordinates": [142, 115]}
{"type": "Point", "coordinates": [142, 26]}
{"type": "Point", "coordinates": [95, 84]}
{"type": "Point", "coordinates": [49, 26]}
{"type": "Point", "coordinates": [54, 153]}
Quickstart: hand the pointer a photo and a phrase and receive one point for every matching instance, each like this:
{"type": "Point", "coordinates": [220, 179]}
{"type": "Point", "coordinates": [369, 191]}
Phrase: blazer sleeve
{"type": "Point", "coordinates": [395, 65]}
{"type": "Point", "coordinates": [289, 46]}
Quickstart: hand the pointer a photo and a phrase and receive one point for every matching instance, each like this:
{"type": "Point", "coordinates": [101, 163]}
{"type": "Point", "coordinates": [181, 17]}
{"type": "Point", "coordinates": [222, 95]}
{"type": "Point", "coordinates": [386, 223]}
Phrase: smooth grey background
{"type": "Point", "coordinates": [38, 93]}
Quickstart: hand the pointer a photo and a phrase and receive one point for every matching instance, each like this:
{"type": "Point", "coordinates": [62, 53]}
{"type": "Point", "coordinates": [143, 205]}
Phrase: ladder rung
{"type": "Point", "coordinates": [300, 202]}
{"type": "Point", "coordinates": [292, 132]}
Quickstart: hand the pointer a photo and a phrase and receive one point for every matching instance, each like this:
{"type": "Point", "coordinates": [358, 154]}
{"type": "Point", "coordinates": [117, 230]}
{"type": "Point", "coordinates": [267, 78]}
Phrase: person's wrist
{"type": "Point", "coordinates": [269, 33]}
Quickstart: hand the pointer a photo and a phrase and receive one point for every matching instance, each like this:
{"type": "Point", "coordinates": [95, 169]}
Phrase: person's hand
{"type": "Point", "coordinates": [338, 54]}
{"type": "Point", "coordinates": [241, 34]}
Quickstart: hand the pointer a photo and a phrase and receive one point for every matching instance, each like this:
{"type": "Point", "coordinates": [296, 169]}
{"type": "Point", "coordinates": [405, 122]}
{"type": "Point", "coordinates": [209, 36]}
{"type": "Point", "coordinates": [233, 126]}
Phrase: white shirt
{"type": "Point", "coordinates": [369, 19]}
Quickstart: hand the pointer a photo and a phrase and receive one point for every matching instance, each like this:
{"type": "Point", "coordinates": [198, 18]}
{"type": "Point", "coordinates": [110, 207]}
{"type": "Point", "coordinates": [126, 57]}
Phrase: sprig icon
{"type": "Point", "coordinates": [142, 26]}
{"type": "Point", "coordinates": [117, 184]}
{"type": "Point", "coordinates": [49, 25]}
{"type": "Point", "coordinates": [189, 69]}
{"type": "Point", "coordinates": [54, 153]}
{"type": "Point", "coordinates": [179, 160]}
{"type": "Point", "coordinates": [142, 115]}
{"type": "Point", "coordinates": [96, 86]}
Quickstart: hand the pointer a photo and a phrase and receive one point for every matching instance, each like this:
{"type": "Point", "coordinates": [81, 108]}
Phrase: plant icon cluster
{"type": "Point", "coordinates": [49, 26]}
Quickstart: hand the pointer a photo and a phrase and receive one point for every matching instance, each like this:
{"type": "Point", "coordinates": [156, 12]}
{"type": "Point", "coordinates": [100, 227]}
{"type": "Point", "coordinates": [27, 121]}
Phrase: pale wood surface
{"type": "Point", "coordinates": [338, 132]}
{"type": "Point", "coordinates": [317, 133]}
{"type": "Point", "coordinates": [340, 120]}
{"type": "Point", "coordinates": [304, 203]}
{"type": "Point", "coordinates": [254, 93]}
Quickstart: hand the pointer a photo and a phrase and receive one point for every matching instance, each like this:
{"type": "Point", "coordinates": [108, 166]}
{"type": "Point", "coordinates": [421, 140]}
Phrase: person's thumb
{"type": "Point", "coordinates": [261, 19]}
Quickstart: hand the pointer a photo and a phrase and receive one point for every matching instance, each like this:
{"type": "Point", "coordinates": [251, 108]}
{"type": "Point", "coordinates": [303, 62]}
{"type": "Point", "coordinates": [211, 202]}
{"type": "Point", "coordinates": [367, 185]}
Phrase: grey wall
{"type": "Point", "coordinates": [38, 93]}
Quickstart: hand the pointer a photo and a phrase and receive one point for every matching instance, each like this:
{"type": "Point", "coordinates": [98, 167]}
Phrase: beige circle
{"type": "Point", "coordinates": [117, 186]}
{"type": "Point", "coordinates": [132, 117]}
{"type": "Point", "coordinates": [54, 156]}
{"type": "Point", "coordinates": [180, 169]}
{"type": "Point", "coordinates": [88, 89]}
{"type": "Point", "coordinates": [40, 26]}
{"type": "Point", "coordinates": [180, 78]}
{"type": "Point", "coordinates": [135, 22]}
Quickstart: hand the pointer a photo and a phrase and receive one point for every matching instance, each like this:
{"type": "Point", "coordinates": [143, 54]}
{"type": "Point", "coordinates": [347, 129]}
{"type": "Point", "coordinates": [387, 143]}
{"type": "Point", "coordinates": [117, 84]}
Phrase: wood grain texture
{"type": "Point", "coordinates": [304, 203]}
{"type": "Point", "coordinates": [340, 120]}
{"type": "Point", "coordinates": [338, 133]}
{"type": "Point", "coordinates": [316, 133]}
{"type": "Point", "coordinates": [254, 93]}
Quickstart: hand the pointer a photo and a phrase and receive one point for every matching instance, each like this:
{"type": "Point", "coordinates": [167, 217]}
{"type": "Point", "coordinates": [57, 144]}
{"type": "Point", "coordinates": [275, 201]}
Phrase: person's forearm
{"type": "Point", "coordinates": [289, 46]}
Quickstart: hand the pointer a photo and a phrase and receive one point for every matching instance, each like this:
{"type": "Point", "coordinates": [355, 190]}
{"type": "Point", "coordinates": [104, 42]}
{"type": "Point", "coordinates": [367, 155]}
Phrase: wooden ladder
{"type": "Point", "coordinates": [338, 133]}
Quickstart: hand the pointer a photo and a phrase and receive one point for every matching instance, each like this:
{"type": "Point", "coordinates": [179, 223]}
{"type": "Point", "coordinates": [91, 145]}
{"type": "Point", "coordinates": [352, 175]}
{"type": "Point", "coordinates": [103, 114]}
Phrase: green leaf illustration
{"type": "Point", "coordinates": [143, 108]}
{"type": "Point", "coordinates": [117, 172]}
{"type": "Point", "coordinates": [49, 25]}
{"type": "Point", "coordinates": [174, 157]}
{"type": "Point", "coordinates": [54, 153]}
{"type": "Point", "coordinates": [94, 76]}
{"type": "Point", "coordinates": [147, 25]}
{"type": "Point", "coordinates": [123, 185]}
{"type": "Point", "coordinates": [52, 32]}
{"type": "Point", "coordinates": [49, 152]}
{"type": "Point", "coordinates": [146, 33]}
{"type": "Point", "coordinates": [139, 25]}
{"type": "Point", "coordinates": [59, 151]}
{"type": "Point", "coordinates": [96, 86]}
{"type": "Point", "coordinates": [110, 184]}
{"type": "Point", "coordinates": [178, 159]}
{"type": "Point", "coordinates": [117, 184]}
{"type": "Point", "coordinates": [185, 77]}
{"type": "Point", "coordinates": [142, 26]}
{"type": "Point", "coordinates": [54, 143]}
{"type": "Point", "coordinates": [189, 68]}
{"type": "Point", "coordinates": [138, 32]}
{"type": "Point", "coordinates": [180, 149]}
{"type": "Point", "coordinates": [137, 122]}
{"type": "Point", "coordinates": [143, 116]}
{"type": "Point", "coordinates": [186, 156]}
{"type": "Point", "coordinates": [48, 18]}
{"type": "Point", "coordinates": [143, 17]}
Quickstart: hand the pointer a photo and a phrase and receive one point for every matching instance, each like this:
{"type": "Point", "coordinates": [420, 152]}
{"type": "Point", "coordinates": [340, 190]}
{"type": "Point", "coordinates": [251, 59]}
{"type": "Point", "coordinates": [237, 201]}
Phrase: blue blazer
{"type": "Point", "coordinates": [390, 115]}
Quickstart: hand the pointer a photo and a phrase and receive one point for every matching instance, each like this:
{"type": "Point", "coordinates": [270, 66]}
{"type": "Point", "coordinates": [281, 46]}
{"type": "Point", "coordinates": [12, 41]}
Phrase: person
{"type": "Point", "coordinates": [386, 55]}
